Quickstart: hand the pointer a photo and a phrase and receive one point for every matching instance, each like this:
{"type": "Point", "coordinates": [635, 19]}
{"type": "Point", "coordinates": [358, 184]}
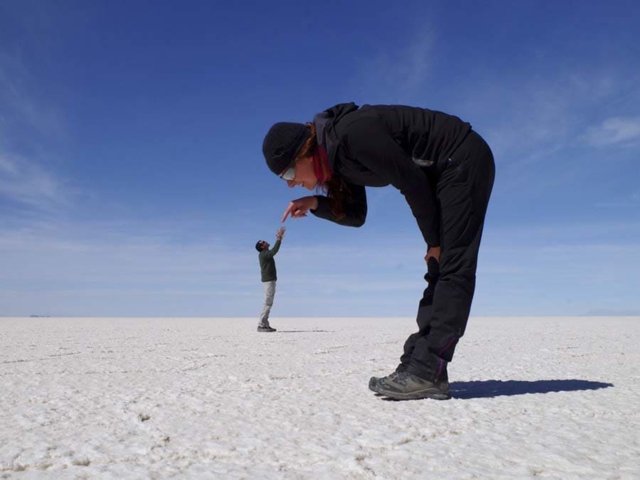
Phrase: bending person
{"type": "Point", "coordinates": [445, 171]}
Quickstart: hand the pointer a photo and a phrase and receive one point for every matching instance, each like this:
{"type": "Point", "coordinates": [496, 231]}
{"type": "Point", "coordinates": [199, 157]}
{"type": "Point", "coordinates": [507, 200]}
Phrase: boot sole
{"type": "Point", "coordinates": [417, 395]}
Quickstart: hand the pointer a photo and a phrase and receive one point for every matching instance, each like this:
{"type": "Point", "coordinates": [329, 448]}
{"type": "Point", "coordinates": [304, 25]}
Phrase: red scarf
{"type": "Point", "coordinates": [321, 165]}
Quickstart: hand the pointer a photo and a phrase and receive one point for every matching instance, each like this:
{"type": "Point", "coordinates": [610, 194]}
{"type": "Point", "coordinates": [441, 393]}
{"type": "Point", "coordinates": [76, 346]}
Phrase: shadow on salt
{"type": "Point", "coordinates": [500, 388]}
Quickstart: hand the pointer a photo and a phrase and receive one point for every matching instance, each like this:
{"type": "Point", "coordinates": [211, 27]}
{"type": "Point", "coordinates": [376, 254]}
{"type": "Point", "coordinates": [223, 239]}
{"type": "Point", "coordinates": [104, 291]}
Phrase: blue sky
{"type": "Point", "coordinates": [132, 181]}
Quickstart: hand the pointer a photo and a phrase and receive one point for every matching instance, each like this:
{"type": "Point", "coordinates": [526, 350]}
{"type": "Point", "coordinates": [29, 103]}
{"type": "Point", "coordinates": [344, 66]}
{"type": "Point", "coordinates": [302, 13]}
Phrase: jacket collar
{"type": "Point", "coordinates": [325, 123]}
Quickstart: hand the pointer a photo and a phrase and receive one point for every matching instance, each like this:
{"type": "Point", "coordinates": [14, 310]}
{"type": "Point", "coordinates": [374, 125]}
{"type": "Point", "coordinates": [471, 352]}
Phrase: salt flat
{"type": "Point", "coordinates": [211, 398]}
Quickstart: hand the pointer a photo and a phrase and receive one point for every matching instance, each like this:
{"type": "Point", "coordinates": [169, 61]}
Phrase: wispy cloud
{"type": "Point", "coordinates": [397, 74]}
{"type": "Point", "coordinates": [529, 113]}
{"type": "Point", "coordinates": [136, 268]}
{"type": "Point", "coordinates": [615, 131]}
{"type": "Point", "coordinates": [29, 127]}
{"type": "Point", "coordinates": [125, 268]}
{"type": "Point", "coordinates": [118, 268]}
{"type": "Point", "coordinates": [21, 108]}
{"type": "Point", "coordinates": [628, 201]}
{"type": "Point", "coordinates": [568, 268]}
{"type": "Point", "coordinates": [533, 122]}
{"type": "Point", "coordinates": [27, 183]}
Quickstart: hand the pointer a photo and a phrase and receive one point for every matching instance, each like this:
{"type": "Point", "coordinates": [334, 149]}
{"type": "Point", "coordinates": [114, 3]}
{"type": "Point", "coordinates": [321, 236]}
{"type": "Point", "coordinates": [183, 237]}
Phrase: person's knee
{"type": "Point", "coordinates": [461, 275]}
{"type": "Point", "coordinates": [463, 268]}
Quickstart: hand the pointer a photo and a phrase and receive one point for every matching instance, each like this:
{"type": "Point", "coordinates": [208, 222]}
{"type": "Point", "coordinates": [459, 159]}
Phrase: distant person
{"type": "Point", "coordinates": [445, 171]}
{"type": "Point", "coordinates": [269, 277]}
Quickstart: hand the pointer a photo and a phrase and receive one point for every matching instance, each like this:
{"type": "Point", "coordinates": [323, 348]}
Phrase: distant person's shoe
{"type": "Point", "coordinates": [406, 386]}
{"type": "Point", "coordinates": [267, 328]}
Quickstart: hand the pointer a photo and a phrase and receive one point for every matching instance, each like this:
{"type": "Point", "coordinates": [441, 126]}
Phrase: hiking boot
{"type": "Point", "coordinates": [266, 328]}
{"type": "Point", "coordinates": [406, 386]}
{"type": "Point", "coordinates": [375, 381]}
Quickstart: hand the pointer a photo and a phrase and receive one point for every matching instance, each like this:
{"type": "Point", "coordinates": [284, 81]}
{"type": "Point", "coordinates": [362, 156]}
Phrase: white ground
{"type": "Point", "coordinates": [211, 398]}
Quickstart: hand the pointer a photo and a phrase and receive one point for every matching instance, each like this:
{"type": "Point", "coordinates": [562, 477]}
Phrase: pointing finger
{"type": "Point", "coordinates": [287, 212]}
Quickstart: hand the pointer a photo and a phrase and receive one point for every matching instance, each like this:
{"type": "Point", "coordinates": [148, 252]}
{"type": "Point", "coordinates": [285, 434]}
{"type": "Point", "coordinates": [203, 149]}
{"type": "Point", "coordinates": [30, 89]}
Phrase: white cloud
{"type": "Point", "coordinates": [27, 119]}
{"type": "Point", "coordinates": [118, 268]}
{"type": "Point", "coordinates": [622, 131]}
{"type": "Point", "coordinates": [27, 183]}
{"type": "Point", "coordinates": [528, 116]}
{"type": "Point", "coordinates": [125, 268]}
{"type": "Point", "coordinates": [21, 106]}
{"type": "Point", "coordinates": [626, 202]}
{"type": "Point", "coordinates": [396, 74]}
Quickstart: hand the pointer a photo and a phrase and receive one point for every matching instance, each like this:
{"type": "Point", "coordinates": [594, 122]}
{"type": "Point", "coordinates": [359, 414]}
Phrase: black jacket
{"type": "Point", "coordinates": [378, 145]}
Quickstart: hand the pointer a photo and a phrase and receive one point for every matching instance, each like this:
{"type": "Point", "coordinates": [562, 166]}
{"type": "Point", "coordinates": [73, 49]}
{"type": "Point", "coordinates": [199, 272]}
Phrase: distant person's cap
{"type": "Point", "coordinates": [282, 143]}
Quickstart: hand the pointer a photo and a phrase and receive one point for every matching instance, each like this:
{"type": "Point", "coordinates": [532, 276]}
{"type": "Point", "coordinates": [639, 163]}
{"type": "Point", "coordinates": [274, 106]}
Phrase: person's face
{"type": "Point", "coordinates": [265, 245]}
{"type": "Point", "coordinates": [303, 174]}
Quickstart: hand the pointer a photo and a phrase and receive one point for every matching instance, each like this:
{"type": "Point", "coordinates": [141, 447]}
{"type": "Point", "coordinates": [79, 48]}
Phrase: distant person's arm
{"type": "Point", "coordinates": [274, 250]}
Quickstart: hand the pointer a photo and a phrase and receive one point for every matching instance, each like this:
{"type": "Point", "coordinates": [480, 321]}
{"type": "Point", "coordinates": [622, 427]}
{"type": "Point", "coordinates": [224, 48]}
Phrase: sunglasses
{"type": "Point", "coordinates": [289, 173]}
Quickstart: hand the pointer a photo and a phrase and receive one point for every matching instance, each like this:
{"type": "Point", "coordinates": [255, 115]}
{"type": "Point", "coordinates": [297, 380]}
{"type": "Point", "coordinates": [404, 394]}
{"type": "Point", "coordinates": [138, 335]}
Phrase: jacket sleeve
{"type": "Point", "coordinates": [274, 250]}
{"type": "Point", "coordinates": [355, 208]}
{"type": "Point", "coordinates": [370, 143]}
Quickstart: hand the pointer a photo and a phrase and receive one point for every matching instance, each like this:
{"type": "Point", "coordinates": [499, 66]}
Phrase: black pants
{"type": "Point", "coordinates": [463, 192]}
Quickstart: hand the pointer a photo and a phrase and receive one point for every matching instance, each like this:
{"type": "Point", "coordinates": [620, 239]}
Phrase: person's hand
{"type": "Point", "coordinates": [432, 252]}
{"type": "Point", "coordinates": [299, 208]}
{"type": "Point", "coordinates": [280, 233]}
{"type": "Point", "coordinates": [432, 277]}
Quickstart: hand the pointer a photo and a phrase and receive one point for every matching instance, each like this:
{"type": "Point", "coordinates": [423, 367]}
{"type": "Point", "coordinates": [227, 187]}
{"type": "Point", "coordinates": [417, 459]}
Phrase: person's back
{"type": "Point", "coordinates": [429, 135]}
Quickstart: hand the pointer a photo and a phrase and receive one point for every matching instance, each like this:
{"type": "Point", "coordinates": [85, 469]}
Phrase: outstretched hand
{"type": "Point", "coordinates": [298, 208]}
{"type": "Point", "coordinates": [280, 233]}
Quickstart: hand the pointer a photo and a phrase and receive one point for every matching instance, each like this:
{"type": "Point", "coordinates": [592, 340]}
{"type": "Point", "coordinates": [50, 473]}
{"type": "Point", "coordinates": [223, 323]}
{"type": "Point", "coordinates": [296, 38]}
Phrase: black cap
{"type": "Point", "coordinates": [282, 143]}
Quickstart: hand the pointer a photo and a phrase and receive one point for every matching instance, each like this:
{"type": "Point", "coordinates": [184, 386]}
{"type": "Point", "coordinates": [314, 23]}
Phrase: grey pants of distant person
{"type": "Point", "coordinates": [463, 192]}
{"type": "Point", "coordinates": [269, 293]}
